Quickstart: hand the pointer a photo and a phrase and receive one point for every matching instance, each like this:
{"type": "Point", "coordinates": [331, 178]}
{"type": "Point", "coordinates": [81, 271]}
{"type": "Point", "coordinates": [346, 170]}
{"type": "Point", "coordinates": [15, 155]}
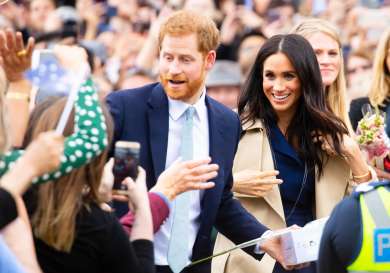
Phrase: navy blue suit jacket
{"type": "Point", "coordinates": [142, 115]}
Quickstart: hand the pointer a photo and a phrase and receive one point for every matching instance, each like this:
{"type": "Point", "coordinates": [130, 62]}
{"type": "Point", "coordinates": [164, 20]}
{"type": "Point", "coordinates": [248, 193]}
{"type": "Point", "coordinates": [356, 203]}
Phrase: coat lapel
{"type": "Point", "coordinates": [158, 118]}
{"type": "Point", "coordinates": [256, 144]}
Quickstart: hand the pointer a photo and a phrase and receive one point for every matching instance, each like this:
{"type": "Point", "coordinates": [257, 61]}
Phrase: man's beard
{"type": "Point", "coordinates": [187, 91]}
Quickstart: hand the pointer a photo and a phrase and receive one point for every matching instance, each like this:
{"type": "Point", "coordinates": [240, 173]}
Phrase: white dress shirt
{"type": "Point", "coordinates": [200, 150]}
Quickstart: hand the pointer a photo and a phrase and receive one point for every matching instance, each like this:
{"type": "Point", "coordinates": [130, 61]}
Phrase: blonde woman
{"type": "Point", "coordinates": [325, 40]}
{"type": "Point", "coordinates": [379, 94]}
{"type": "Point", "coordinates": [256, 178]}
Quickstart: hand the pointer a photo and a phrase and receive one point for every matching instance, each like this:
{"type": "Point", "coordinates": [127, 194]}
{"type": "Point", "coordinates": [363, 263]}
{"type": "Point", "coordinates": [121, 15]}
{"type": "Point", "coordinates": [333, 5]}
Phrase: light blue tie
{"type": "Point", "coordinates": [178, 243]}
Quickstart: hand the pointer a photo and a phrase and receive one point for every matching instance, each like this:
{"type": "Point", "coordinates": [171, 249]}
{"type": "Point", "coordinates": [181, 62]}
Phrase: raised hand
{"type": "Point", "coordinates": [184, 176]}
{"type": "Point", "coordinates": [255, 183]}
{"type": "Point", "coordinates": [15, 57]}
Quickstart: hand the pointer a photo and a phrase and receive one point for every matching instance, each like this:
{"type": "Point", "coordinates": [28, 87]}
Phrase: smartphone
{"type": "Point", "coordinates": [42, 56]}
{"type": "Point", "coordinates": [126, 160]}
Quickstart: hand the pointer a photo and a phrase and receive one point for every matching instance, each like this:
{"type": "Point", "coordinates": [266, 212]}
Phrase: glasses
{"type": "Point", "coordinates": [361, 68]}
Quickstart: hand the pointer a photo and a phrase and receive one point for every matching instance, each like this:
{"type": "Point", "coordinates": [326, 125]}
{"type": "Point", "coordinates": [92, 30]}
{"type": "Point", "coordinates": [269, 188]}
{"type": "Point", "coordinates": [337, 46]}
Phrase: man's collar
{"type": "Point", "coordinates": [178, 107]}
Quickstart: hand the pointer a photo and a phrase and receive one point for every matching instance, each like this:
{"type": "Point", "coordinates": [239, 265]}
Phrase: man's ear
{"type": "Point", "coordinates": [210, 59]}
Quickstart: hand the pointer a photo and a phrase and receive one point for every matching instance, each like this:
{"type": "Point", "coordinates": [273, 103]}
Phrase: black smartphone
{"type": "Point", "coordinates": [126, 158]}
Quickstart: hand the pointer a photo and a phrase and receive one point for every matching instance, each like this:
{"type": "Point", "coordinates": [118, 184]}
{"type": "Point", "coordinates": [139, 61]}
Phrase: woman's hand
{"type": "Point", "coordinates": [351, 153]}
{"type": "Point", "coordinates": [107, 181]}
{"type": "Point", "coordinates": [255, 183]}
{"type": "Point", "coordinates": [137, 191]}
{"type": "Point", "coordinates": [348, 146]}
{"type": "Point", "coordinates": [184, 176]}
{"type": "Point", "coordinates": [15, 57]}
{"type": "Point", "coordinates": [43, 155]}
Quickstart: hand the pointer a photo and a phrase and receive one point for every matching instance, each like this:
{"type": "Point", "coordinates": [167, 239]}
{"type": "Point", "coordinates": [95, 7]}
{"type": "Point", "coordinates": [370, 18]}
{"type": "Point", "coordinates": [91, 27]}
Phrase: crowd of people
{"type": "Point", "coordinates": [246, 113]}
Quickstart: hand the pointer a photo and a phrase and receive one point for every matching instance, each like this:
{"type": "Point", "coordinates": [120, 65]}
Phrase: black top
{"type": "Point", "coordinates": [355, 111]}
{"type": "Point", "coordinates": [342, 237]}
{"type": "Point", "coordinates": [101, 245]}
{"type": "Point", "coordinates": [8, 211]}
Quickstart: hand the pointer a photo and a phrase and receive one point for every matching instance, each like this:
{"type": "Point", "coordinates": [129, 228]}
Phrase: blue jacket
{"type": "Point", "coordinates": [142, 115]}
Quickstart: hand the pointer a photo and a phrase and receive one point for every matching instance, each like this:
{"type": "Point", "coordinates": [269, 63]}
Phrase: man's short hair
{"type": "Point", "coordinates": [187, 22]}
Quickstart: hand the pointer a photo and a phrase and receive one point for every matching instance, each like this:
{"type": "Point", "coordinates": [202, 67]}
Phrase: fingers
{"type": "Point", "coordinates": [141, 175]}
{"type": "Point", "coordinates": [190, 164]}
{"type": "Point", "coordinates": [120, 198]}
{"type": "Point", "coordinates": [10, 38]}
{"type": "Point", "coordinates": [18, 40]}
{"type": "Point", "coordinates": [203, 169]}
{"type": "Point", "coordinates": [264, 174]}
{"type": "Point", "coordinates": [30, 47]}
{"type": "Point", "coordinates": [201, 186]}
{"type": "Point", "coordinates": [2, 41]}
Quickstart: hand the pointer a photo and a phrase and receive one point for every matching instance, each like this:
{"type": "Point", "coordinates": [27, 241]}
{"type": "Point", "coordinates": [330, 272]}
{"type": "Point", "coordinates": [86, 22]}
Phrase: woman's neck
{"type": "Point", "coordinates": [284, 121]}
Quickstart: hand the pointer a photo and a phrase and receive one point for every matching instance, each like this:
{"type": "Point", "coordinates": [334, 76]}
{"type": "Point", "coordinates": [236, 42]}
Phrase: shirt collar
{"type": "Point", "coordinates": [178, 107]}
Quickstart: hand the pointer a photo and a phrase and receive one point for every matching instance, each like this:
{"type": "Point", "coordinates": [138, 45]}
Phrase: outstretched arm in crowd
{"type": "Point", "coordinates": [180, 177]}
{"type": "Point", "coordinates": [43, 155]}
{"type": "Point", "coordinates": [15, 58]}
{"type": "Point", "coordinates": [89, 138]}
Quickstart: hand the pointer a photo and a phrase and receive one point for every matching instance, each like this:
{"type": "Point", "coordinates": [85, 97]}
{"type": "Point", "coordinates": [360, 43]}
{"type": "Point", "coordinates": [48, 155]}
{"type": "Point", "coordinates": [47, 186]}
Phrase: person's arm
{"type": "Point", "coordinates": [255, 183]}
{"type": "Point", "coordinates": [122, 257]}
{"type": "Point", "coordinates": [89, 138]}
{"type": "Point", "coordinates": [360, 171]}
{"type": "Point", "coordinates": [232, 220]}
{"type": "Point", "coordinates": [159, 208]}
{"type": "Point", "coordinates": [8, 211]}
{"type": "Point", "coordinates": [41, 156]}
{"type": "Point", "coordinates": [15, 60]}
{"type": "Point", "coordinates": [19, 238]}
{"type": "Point", "coordinates": [180, 177]}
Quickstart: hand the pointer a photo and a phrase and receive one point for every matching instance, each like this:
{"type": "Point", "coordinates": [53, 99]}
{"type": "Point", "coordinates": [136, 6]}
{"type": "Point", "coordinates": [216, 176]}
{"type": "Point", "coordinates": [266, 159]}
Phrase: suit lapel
{"type": "Point", "coordinates": [216, 144]}
{"type": "Point", "coordinates": [158, 118]}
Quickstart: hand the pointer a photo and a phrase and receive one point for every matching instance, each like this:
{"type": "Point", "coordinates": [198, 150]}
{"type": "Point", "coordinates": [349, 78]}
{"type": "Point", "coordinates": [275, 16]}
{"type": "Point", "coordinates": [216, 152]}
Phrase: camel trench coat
{"type": "Point", "coordinates": [254, 153]}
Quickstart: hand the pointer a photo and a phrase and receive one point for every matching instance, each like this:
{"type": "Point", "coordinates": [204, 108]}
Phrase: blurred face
{"type": "Point", "coordinates": [227, 95]}
{"type": "Point", "coordinates": [183, 67]}
{"type": "Point", "coordinates": [39, 10]}
{"type": "Point", "coordinates": [357, 66]}
{"type": "Point", "coordinates": [281, 85]}
{"type": "Point", "coordinates": [248, 51]}
{"type": "Point", "coordinates": [328, 56]}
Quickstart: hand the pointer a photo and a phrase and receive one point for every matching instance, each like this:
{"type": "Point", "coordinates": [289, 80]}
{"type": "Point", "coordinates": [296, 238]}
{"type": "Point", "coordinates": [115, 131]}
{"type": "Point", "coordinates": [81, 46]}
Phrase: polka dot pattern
{"type": "Point", "coordinates": [88, 140]}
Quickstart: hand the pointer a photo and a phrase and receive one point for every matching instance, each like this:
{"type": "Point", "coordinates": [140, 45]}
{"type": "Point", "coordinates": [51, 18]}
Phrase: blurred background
{"type": "Point", "coordinates": [121, 36]}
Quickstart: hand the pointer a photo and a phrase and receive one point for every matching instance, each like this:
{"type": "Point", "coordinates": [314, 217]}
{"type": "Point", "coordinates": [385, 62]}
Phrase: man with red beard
{"type": "Point", "coordinates": [157, 116]}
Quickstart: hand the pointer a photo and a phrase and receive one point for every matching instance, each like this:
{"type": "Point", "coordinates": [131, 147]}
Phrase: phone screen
{"type": "Point", "coordinates": [126, 157]}
{"type": "Point", "coordinates": [48, 75]}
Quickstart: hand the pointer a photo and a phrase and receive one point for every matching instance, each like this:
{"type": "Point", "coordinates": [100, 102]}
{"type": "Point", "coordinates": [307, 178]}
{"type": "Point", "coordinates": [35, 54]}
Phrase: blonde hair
{"type": "Point", "coordinates": [337, 92]}
{"type": "Point", "coordinates": [380, 86]}
{"type": "Point", "coordinates": [59, 202]}
{"type": "Point", "coordinates": [187, 22]}
{"type": "Point", "coordinates": [4, 130]}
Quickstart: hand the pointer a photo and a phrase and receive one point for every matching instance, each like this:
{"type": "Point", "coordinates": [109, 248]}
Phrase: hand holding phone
{"type": "Point", "coordinates": [126, 158]}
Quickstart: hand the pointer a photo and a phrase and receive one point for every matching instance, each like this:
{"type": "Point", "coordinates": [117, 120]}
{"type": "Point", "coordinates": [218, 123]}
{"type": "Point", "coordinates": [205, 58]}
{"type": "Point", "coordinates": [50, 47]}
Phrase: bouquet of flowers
{"type": "Point", "coordinates": [372, 137]}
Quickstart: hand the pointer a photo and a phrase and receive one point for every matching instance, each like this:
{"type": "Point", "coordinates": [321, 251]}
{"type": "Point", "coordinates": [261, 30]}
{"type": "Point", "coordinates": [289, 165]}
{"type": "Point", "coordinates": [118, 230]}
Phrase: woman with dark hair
{"type": "Point", "coordinates": [288, 127]}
